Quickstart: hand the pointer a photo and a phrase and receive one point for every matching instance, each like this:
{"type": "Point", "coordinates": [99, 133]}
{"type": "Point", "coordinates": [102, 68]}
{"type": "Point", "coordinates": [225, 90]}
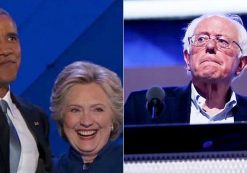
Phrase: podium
{"type": "Point", "coordinates": [181, 148]}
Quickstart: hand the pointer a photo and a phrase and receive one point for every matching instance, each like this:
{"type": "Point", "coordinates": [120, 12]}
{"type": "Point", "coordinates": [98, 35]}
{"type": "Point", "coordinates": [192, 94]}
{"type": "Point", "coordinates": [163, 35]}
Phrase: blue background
{"type": "Point", "coordinates": [54, 33]}
{"type": "Point", "coordinates": [156, 42]}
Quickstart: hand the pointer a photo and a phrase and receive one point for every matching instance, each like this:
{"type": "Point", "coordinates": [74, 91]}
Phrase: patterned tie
{"type": "Point", "coordinates": [14, 142]}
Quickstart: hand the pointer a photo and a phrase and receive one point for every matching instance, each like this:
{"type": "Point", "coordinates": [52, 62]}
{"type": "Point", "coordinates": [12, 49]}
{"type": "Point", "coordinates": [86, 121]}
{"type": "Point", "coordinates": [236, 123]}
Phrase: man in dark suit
{"type": "Point", "coordinates": [177, 107]}
{"type": "Point", "coordinates": [29, 122]}
{"type": "Point", "coordinates": [215, 52]}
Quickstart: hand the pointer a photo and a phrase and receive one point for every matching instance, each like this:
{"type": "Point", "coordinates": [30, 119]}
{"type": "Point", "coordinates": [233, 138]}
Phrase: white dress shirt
{"type": "Point", "coordinates": [29, 151]}
{"type": "Point", "coordinates": [199, 116]}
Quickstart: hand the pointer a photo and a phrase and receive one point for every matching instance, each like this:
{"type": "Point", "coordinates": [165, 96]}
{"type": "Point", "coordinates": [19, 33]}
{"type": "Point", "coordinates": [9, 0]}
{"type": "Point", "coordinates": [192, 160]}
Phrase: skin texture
{"type": "Point", "coordinates": [10, 53]}
{"type": "Point", "coordinates": [213, 68]}
{"type": "Point", "coordinates": [87, 119]}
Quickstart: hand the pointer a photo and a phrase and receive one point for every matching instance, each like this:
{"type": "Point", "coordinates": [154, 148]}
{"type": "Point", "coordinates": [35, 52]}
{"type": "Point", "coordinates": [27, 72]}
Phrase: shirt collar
{"type": "Point", "coordinates": [199, 101]}
{"type": "Point", "coordinates": [7, 98]}
{"type": "Point", "coordinates": [75, 155]}
{"type": "Point", "coordinates": [196, 98]}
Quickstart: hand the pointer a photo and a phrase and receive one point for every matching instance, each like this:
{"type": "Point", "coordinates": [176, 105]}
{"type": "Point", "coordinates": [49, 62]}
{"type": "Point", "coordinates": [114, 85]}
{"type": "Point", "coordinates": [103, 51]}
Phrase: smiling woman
{"type": "Point", "coordinates": [87, 104]}
{"type": "Point", "coordinates": [88, 119]}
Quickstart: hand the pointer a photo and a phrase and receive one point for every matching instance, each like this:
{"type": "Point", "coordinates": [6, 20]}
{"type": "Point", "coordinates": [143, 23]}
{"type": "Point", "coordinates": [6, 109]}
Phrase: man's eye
{"type": "Point", "coordinates": [201, 38]}
{"type": "Point", "coordinates": [12, 38]}
{"type": "Point", "coordinates": [223, 41]}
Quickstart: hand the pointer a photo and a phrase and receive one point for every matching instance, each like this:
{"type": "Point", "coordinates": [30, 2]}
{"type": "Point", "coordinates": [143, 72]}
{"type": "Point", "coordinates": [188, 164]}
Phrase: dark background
{"type": "Point", "coordinates": [153, 54]}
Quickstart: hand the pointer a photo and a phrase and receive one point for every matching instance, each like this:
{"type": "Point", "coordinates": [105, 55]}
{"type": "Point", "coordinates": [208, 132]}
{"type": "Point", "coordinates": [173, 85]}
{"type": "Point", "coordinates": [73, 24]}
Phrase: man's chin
{"type": "Point", "coordinates": [7, 80]}
{"type": "Point", "coordinates": [208, 78]}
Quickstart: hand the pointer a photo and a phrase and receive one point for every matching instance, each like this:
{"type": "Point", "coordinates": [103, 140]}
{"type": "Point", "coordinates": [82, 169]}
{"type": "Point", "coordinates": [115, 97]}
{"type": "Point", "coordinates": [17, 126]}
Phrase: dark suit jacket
{"type": "Point", "coordinates": [177, 107]}
{"type": "Point", "coordinates": [37, 122]}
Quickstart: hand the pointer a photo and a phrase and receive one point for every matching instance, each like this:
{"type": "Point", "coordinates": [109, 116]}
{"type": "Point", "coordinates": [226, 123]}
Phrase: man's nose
{"type": "Point", "coordinates": [211, 46]}
{"type": "Point", "coordinates": [5, 49]}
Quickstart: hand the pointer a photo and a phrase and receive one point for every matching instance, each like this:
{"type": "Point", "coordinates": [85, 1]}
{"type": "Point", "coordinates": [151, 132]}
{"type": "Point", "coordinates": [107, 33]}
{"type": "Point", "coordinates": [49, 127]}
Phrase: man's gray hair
{"type": "Point", "coordinates": [242, 38]}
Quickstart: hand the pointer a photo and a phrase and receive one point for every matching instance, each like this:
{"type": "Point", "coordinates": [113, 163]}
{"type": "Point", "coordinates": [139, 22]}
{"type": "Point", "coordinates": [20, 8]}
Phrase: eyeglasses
{"type": "Point", "coordinates": [200, 40]}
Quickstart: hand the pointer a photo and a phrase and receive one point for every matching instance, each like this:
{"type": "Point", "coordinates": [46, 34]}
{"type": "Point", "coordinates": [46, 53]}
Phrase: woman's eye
{"type": "Point", "coordinates": [74, 110]}
{"type": "Point", "coordinates": [99, 110]}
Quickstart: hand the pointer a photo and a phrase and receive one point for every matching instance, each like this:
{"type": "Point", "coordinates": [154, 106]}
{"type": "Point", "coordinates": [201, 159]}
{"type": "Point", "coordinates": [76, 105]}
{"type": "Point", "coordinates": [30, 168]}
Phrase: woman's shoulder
{"type": "Point", "coordinates": [60, 163]}
{"type": "Point", "coordinates": [66, 162]}
{"type": "Point", "coordinates": [114, 149]}
{"type": "Point", "coordinates": [111, 159]}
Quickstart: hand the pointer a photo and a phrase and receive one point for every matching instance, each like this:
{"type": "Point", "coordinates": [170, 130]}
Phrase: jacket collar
{"type": "Point", "coordinates": [76, 156]}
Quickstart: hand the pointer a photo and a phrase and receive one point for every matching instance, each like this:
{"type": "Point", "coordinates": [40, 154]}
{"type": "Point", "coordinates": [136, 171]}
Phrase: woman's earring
{"type": "Point", "coordinates": [112, 128]}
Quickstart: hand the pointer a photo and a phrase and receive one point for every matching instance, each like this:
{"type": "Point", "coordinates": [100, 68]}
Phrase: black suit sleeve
{"type": "Point", "coordinates": [135, 111]}
{"type": "Point", "coordinates": [42, 136]}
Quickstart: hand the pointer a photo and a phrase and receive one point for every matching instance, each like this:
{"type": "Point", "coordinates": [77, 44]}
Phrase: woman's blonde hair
{"type": "Point", "coordinates": [81, 72]}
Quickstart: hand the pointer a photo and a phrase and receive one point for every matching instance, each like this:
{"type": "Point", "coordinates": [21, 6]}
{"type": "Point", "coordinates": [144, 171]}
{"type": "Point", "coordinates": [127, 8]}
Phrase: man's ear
{"type": "Point", "coordinates": [242, 65]}
{"type": "Point", "coordinates": [187, 59]}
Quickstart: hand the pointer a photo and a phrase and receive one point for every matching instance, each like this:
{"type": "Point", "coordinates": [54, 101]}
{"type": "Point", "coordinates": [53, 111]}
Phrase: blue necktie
{"type": "Point", "coordinates": [14, 142]}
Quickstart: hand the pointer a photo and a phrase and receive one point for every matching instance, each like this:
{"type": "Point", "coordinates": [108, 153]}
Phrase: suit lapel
{"type": "Point", "coordinates": [180, 105]}
{"type": "Point", "coordinates": [37, 127]}
{"type": "Point", "coordinates": [25, 113]}
{"type": "Point", "coordinates": [239, 111]}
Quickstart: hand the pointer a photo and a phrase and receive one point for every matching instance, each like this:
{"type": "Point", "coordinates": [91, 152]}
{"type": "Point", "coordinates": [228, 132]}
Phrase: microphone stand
{"type": "Point", "coordinates": [154, 108]}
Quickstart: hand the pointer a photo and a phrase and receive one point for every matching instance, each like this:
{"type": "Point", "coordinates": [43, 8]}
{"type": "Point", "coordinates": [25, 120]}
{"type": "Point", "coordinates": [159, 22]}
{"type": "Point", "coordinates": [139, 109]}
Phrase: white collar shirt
{"type": "Point", "coordinates": [199, 116]}
{"type": "Point", "coordinates": [29, 151]}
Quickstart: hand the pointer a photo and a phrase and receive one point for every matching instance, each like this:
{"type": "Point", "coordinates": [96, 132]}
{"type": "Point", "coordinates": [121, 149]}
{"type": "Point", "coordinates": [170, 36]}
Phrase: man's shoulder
{"type": "Point", "coordinates": [169, 91]}
{"type": "Point", "coordinates": [177, 90]}
{"type": "Point", "coordinates": [241, 98]}
{"type": "Point", "coordinates": [26, 105]}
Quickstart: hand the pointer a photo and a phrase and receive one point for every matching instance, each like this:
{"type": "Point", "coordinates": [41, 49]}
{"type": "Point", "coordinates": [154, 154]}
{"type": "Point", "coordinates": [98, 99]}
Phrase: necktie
{"type": "Point", "coordinates": [14, 142]}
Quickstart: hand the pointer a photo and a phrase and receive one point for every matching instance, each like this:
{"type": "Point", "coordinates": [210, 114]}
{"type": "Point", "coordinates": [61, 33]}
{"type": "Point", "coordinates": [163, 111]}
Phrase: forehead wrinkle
{"type": "Point", "coordinates": [216, 25]}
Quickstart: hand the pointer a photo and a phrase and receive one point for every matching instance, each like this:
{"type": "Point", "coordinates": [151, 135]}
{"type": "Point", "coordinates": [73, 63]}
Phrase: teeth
{"type": "Point", "coordinates": [86, 133]}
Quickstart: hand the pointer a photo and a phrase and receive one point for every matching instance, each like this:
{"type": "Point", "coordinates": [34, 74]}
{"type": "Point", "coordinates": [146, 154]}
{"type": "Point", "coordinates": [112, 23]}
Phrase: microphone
{"type": "Point", "coordinates": [155, 103]}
